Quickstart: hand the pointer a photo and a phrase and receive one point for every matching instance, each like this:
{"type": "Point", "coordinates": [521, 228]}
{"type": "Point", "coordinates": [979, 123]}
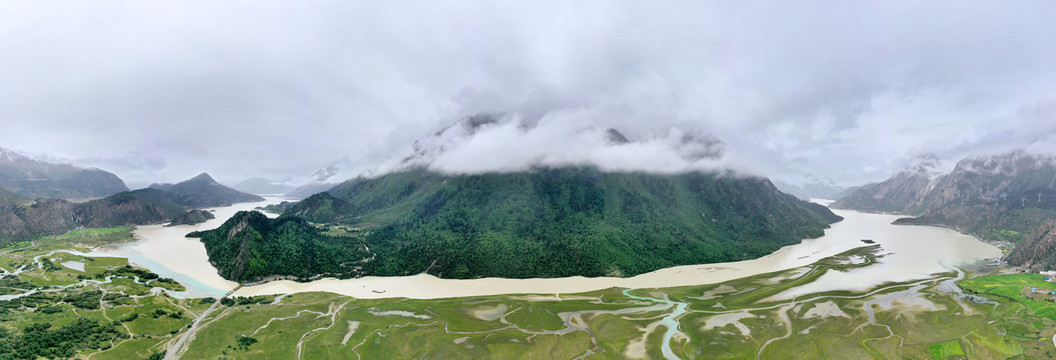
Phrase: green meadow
{"type": "Point", "coordinates": [996, 317]}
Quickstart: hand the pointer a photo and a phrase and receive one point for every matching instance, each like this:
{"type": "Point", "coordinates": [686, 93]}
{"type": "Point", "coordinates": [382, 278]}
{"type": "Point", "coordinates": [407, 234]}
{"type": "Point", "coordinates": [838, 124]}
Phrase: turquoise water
{"type": "Point", "coordinates": [670, 321]}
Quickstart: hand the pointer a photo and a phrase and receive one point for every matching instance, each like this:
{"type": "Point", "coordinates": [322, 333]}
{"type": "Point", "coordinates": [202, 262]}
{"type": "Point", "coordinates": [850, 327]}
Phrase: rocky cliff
{"type": "Point", "coordinates": [1037, 250]}
{"type": "Point", "coordinates": [999, 197]}
{"type": "Point", "coordinates": [894, 195]}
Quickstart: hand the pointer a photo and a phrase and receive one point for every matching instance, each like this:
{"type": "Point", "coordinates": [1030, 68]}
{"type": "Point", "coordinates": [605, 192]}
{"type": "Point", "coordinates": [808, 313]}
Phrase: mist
{"type": "Point", "coordinates": [852, 92]}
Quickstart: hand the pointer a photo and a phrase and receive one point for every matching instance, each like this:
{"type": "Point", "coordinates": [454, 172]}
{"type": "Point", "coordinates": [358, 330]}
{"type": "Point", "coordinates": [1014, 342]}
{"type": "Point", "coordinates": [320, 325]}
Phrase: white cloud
{"type": "Point", "coordinates": [850, 91]}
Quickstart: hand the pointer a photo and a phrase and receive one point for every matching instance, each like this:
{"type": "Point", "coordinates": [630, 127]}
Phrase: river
{"type": "Point", "coordinates": [912, 252]}
{"type": "Point", "coordinates": [167, 252]}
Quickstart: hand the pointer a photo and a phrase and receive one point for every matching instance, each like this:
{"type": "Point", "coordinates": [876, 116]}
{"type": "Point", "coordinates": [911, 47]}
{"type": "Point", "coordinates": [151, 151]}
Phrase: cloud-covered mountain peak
{"type": "Point", "coordinates": [505, 142]}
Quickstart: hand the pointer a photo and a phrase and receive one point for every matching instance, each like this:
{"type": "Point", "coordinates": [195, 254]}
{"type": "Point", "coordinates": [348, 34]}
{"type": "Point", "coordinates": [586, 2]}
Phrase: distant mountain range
{"type": "Point", "coordinates": [307, 190]}
{"type": "Point", "coordinates": [202, 191]}
{"type": "Point", "coordinates": [816, 188]}
{"type": "Point", "coordinates": [262, 186]}
{"type": "Point", "coordinates": [894, 195]}
{"type": "Point", "coordinates": [22, 218]}
{"type": "Point", "coordinates": [32, 178]}
{"type": "Point", "coordinates": [542, 223]}
{"type": "Point", "coordinates": [1008, 197]}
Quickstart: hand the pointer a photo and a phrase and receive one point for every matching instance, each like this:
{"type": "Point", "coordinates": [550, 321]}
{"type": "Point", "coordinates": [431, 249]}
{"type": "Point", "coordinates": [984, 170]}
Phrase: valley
{"type": "Point", "coordinates": [800, 300]}
{"type": "Point", "coordinates": [527, 180]}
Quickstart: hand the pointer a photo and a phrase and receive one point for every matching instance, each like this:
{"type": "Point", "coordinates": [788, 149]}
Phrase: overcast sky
{"type": "Point", "coordinates": [851, 91]}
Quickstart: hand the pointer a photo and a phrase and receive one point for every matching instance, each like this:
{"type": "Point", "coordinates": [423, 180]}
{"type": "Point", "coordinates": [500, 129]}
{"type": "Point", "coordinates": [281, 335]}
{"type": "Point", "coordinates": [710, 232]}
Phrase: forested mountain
{"type": "Point", "coordinates": [33, 178]}
{"type": "Point", "coordinates": [249, 246]}
{"type": "Point", "coordinates": [321, 208]}
{"type": "Point", "coordinates": [559, 221]}
{"type": "Point", "coordinates": [202, 191]}
{"type": "Point", "coordinates": [192, 217]}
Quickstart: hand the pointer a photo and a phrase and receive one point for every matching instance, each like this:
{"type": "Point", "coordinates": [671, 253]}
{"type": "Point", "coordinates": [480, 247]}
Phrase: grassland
{"type": "Point", "coordinates": [1028, 316]}
{"type": "Point", "coordinates": [743, 318]}
{"type": "Point", "coordinates": [17, 245]}
{"type": "Point", "coordinates": [107, 293]}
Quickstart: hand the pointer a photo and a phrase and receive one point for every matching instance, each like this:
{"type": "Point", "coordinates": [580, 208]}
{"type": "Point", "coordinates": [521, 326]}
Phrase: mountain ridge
{"type": "Point", "coordinates": [203, 191]}
{"type": "Point", "coordinates": [1000, 197]}
{"type": "Point", "coordinates": [261, 186]}
{"type": "Point", "coordinates": [34, 178]}
{"type": "Point", "coordinates": [21, 218]}
{"type": "Point", "coordinates": [551, 222]}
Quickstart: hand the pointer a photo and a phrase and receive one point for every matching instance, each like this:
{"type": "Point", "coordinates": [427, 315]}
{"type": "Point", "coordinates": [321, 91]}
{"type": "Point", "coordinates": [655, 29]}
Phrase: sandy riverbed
{"type": "Point", "coordinates": [166, 251]}
{"type": "Point", "coordinates": [915, 253]}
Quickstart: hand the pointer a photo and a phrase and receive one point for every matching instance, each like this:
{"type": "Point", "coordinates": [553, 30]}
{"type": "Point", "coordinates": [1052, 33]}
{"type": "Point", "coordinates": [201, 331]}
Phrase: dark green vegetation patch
{"type": "Point", "coordinates": [542, 223]}
{"type": "Point", "coordinates": [250, 246]}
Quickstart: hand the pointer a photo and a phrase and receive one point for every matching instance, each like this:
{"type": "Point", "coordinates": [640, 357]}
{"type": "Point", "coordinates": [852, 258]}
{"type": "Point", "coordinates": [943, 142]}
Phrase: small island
{"type": "Point", "coordinates": [192, 217]}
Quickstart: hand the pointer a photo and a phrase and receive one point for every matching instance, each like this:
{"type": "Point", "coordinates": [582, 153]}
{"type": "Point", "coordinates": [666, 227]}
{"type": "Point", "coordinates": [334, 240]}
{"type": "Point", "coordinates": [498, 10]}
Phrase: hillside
{"type": "Point", "coordinates": [139, 207]}
{"type": "Point", "coordinates": [26, 219]}
{"type": "Point", "coordinates": [320, 208]}
{"type": "Point", "coordinates": [8, 198]}
{"type": "Point", "coordinates": [202, 191]}
{"type": "Point", "coordinates": [995, 197]}
{"type": "Point", "coordinates": [1000, 197]}
{"type": "Point", "coordinates": [559, 222]}
{"type": "Point", "coordinates": [894, 195]}
{"type": "Point", "coordinates": [41, 217]}
{"type": "Point", "coordinates": [57, 216]}
{"type": "Point", "coordinates": [32, 178]}
{"type": "Point", "coordinates": [192, 217]}
{"type": "Point", "coordinates": [571, 221]}
{"type": "Point", "coordinates": [250, 246]}
{"type": "Point", "coordinates": [1037, 250]}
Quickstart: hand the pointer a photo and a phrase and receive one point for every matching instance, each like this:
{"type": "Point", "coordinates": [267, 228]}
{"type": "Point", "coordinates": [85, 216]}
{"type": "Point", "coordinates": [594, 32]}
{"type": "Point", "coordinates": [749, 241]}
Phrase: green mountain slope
{"type": "Point", "coordinates": [192, 217]}
{"type": "Point", "coordinates": [321, 208]}
{"type": "Point", "coordinates": [555, 222]}
{"type": "Point", "coordinates": [249, 246]}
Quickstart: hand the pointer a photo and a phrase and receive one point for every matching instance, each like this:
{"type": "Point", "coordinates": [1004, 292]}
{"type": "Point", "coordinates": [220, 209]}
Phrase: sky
{"type": "Point", "coordinates": [160, 91]}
